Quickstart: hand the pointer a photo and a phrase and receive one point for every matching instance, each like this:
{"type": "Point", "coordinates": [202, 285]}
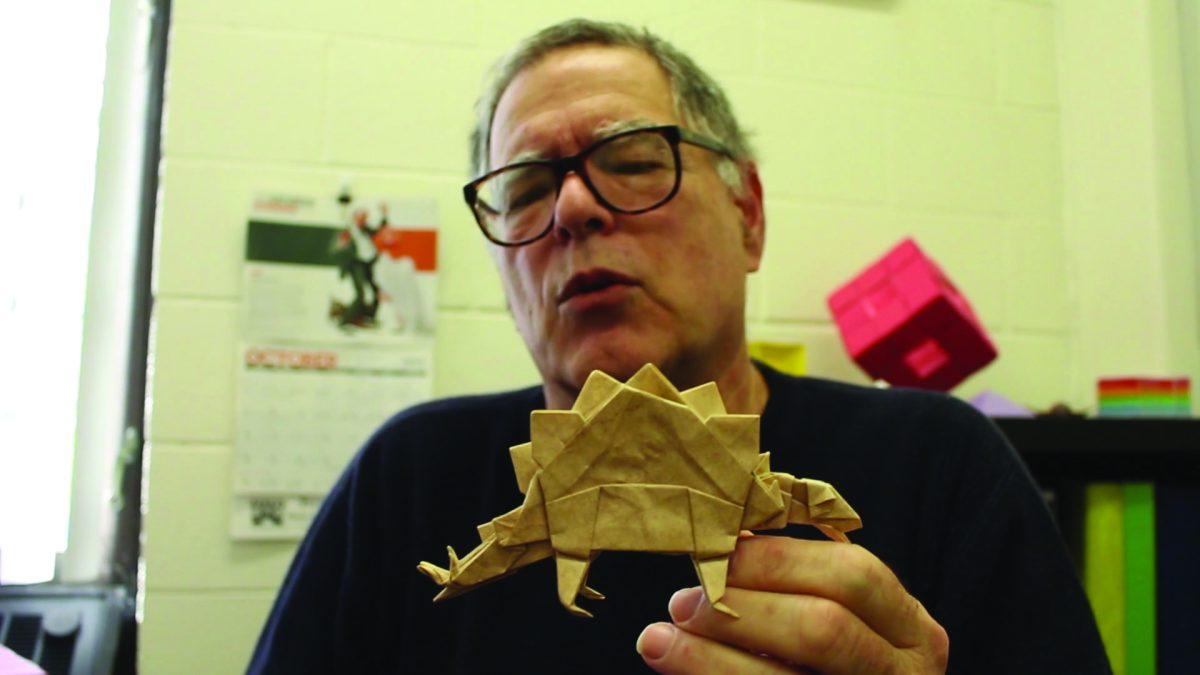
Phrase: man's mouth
{"type": "Point", "coordinates": [592, 281]}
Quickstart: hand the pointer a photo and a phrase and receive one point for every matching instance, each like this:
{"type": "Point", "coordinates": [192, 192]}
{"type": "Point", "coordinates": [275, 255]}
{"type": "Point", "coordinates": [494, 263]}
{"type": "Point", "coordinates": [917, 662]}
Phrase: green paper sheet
{"type": "Point", "coordinates": [1140, 634]}
{"type": "Point", "coordinates": [1104, 566]}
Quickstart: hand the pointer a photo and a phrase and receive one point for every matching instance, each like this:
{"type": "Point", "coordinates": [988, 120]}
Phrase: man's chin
{"type": "Point", "coordinates": [617, 364]}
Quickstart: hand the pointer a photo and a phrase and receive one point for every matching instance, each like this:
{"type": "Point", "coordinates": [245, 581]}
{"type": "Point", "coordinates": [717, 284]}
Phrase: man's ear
{"type": "Point", "coordinates": [754, 219]}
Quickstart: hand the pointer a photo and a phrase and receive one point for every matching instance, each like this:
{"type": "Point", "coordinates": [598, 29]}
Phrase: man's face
{"type": "Point", "coordinates": [613, 291]}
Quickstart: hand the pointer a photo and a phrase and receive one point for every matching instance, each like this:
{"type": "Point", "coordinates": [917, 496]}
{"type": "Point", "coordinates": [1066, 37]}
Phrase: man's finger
{"type": "Point", "coordinates": [670, 650]}
{"type": "Point", "coordinates": [803, 629]}
{"type": "Point", "coordinates": [846, 574]}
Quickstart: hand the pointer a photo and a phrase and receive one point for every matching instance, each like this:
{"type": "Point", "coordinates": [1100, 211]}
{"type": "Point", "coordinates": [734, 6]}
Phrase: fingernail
{"type": "Point", "coordinates": [684, 603]}
{"type": "Point", "coordinates": [655, 641]}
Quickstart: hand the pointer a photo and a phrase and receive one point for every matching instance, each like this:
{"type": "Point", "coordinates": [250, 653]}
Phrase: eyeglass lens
{"type": "Point", "coordinates": [630, 172]}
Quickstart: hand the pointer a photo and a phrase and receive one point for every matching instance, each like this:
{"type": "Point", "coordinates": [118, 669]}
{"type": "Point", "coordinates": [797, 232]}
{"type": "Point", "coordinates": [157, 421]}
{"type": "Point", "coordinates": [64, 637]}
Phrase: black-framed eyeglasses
{"type": "Point", "coordinates": [630, 172]}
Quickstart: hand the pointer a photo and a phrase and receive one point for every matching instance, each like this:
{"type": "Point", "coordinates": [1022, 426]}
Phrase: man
{"type": "Point", "coordinates": [624, 210]}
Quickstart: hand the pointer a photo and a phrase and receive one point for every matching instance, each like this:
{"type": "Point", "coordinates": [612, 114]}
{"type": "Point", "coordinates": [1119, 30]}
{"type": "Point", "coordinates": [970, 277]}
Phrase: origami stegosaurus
{"type": "Point", "coordinates": [640, 466]}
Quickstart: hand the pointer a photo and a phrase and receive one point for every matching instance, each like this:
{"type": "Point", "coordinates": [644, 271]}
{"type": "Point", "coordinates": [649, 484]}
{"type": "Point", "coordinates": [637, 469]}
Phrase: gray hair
{"type": "Point", "coordinates": [699, 101]}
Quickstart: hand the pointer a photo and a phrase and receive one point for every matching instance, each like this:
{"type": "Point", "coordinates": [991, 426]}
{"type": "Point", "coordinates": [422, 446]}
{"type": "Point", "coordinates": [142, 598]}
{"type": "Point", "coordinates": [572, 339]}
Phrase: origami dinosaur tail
{"type": "Point", "coordinates": [440, 576]}
{"type": "Point", "coordinates": [487, 562]}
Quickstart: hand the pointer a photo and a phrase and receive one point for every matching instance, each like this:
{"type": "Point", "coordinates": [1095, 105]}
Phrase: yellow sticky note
{"type": "Point", "coordinates": [782, 356]}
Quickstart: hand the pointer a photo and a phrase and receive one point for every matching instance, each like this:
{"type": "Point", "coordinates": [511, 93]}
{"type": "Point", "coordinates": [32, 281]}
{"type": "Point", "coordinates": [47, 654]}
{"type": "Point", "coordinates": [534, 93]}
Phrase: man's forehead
{"type": "Point", "coordinates": [575, 96]}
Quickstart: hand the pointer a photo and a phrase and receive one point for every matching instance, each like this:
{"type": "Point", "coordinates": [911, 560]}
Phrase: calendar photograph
{"type": "Point", "coordinates": [341, 270]}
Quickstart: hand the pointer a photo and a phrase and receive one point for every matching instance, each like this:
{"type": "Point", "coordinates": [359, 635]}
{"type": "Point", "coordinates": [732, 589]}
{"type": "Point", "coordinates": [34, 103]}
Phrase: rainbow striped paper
{"type": "Point", "coordinates": [1144, 397]}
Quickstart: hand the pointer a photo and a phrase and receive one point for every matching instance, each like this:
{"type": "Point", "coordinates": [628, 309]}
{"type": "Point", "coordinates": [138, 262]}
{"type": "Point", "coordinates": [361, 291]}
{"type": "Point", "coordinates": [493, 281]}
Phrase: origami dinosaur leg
{"type": "Point", "coordinates": [712, 572]}
{"type": "Point", "coordinates": [590, 593]}
{"type": "Point", "coordinates": [571, 574]}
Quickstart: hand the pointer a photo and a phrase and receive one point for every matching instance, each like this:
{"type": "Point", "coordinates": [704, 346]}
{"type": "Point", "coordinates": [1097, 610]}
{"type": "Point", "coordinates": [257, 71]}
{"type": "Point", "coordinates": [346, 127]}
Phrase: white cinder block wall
{"type": "Point", "coordinates": [874, 120]}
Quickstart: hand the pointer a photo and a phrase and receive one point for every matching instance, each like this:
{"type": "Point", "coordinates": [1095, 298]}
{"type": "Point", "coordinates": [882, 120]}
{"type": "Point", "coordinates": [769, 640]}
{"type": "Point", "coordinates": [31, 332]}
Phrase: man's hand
{"type": "Point", "coordinates": [805, 606]}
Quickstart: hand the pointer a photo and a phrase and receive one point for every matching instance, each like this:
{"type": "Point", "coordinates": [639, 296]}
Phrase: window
{"type": "Point", "coordinates": [53, 59]}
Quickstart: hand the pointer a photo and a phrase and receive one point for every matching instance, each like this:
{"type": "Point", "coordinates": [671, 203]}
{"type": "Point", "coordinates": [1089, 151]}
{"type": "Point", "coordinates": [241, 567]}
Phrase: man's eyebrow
{"type": "Point", "coordinates": [527, 156]}
{"type": "Point", "coordinates": [605, 129]}
{"type": "Point", "coordinates": [601, 131]}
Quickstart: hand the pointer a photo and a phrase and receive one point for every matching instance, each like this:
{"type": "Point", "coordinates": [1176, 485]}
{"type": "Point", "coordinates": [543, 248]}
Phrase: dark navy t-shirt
{"type": "Point", "coordinates": [945, 503]}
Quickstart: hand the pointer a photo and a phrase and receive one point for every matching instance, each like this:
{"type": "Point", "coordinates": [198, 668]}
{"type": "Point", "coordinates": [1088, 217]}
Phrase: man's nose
{"type": "Point", "coordinates": [578, 213]}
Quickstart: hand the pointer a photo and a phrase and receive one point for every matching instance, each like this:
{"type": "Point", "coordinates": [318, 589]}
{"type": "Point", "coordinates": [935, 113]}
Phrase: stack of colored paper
{"type": "Point", "coordinates": [1119, 573]}
{"type": "Point", "coordinates": [1145, 397]}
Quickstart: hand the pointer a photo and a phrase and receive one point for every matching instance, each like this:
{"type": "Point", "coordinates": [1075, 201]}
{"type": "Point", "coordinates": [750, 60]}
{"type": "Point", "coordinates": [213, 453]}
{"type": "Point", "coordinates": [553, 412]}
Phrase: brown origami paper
{"type": "Point", "coordinates": [640, 466]}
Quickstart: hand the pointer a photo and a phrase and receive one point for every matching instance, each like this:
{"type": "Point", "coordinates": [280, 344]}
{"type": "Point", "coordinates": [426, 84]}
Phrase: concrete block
{"type": "Point", "coordinates": [946, 48]}
{"type": "Point", "coordinates": [723, 37]}
{"type": "Point", "coordinates": [812, 249]}
{"type": "Point", "coordinates": [396, 105]}
{"type": "Point", "coordinates": [200, 632]}
{"type": "Point", "coordinates": [816, 141]}
{"type": "Point", "coordinates": [245, 95]}
{"type": "Point", "coordinates": [844, 43]}
{"type": "Point", "coordinates": [1026, 57]}
{"type": "Point", "coordinates": [1034, 370]}
{"type": "Point", "coordinates": [501, 25]}
{"type": "Point", "coordinates": [944, 155]}
{"type": "Point", "coordinates": [192, 370]}
{"type": "Point", "coordinates": [186, 527]}
{"type": "Point", "coordinates": [1037, 282]}
{"type": "Point", "coordinates": [480, 352]}
{"type": "Point", "coordinates": [445, 21]}
{"type": "Point", "coordinates": [1031, 170]}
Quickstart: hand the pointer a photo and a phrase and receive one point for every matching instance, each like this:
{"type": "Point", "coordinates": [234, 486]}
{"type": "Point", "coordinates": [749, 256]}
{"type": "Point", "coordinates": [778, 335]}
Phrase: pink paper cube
{"type": "Point", "coordinates": [904, 322]}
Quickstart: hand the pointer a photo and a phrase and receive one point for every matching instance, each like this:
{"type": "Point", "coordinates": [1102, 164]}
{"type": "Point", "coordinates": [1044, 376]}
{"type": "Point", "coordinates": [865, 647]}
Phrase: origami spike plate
{"type": "Point", "coordinates": [640, 466]}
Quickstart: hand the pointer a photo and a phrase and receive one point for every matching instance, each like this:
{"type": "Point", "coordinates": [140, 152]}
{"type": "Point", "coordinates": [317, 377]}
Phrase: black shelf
{"type": "Point", "coordinates": [1071, 449]}
{"type": "Point", "coordinates": [1064, 454]}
